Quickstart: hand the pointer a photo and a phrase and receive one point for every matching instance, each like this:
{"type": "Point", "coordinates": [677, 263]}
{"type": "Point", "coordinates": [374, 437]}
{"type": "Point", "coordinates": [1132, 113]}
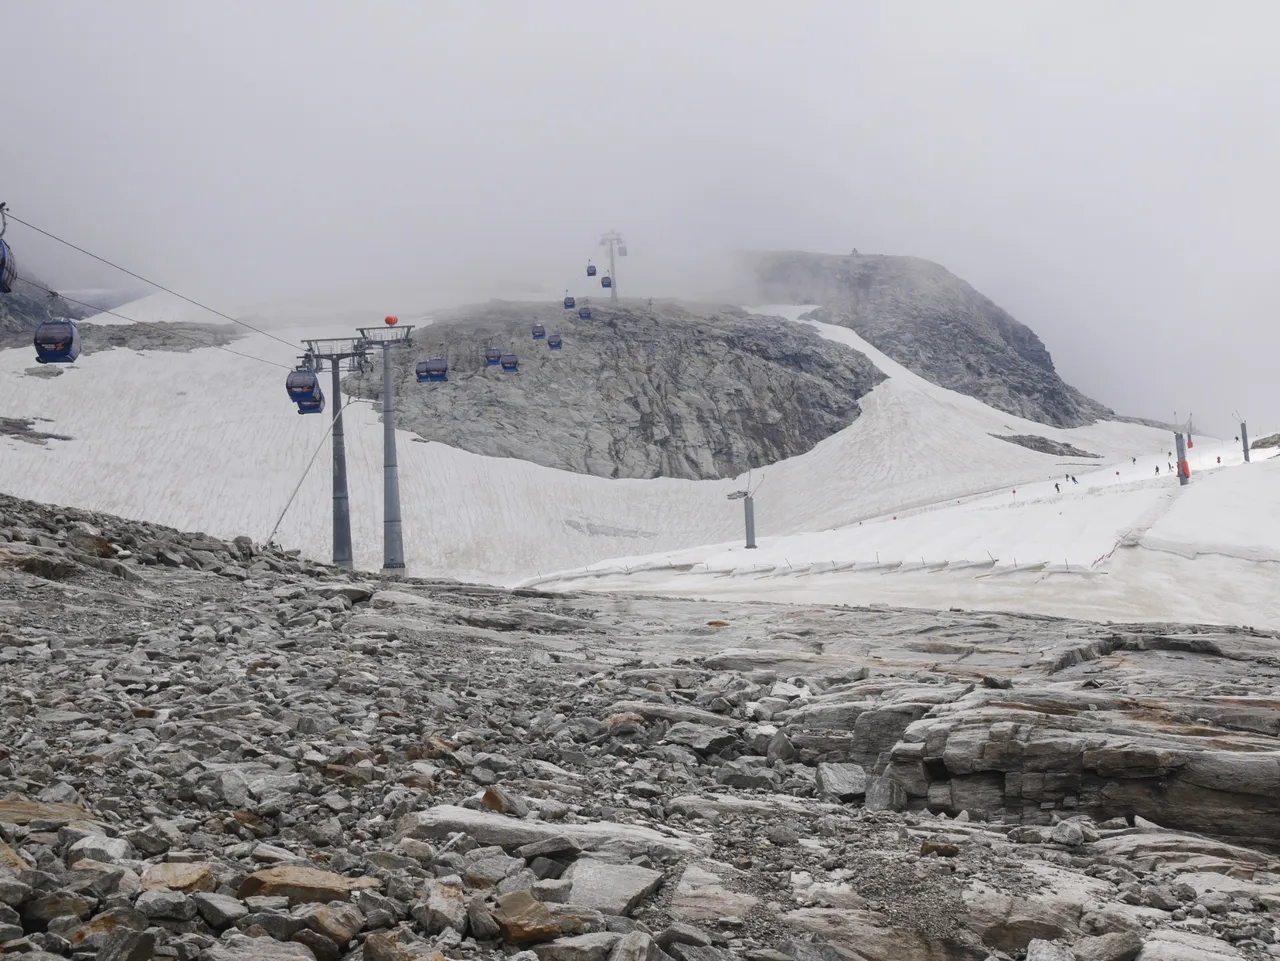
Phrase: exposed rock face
{"type": "Point", "coordinates": [23, 428]}
{"type": "Point", "coordinates": [217, 751]}
{"type": "Point", "coordinates": [30, 303]}
{"type": "Point", "coordinates": [28, 306]}
{"type": "Point", "coordinates": [1045, 446]}
{"type": "Point", "coordinates": [167, 336]}
{"type": "Point", "coordinates": [934, 324]}
{"type": "Point", "coordinates": [99, 337]}
{"type": "Point", "coordinates": [635, 392]}
{"type": "Point", "coordinates": [1263, 443]}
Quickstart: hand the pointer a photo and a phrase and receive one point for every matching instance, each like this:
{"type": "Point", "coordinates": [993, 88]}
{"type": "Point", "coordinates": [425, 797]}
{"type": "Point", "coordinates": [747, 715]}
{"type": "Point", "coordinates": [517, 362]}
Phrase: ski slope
{"type": "Point", "coordinates": [1138, 550]}
{"type": "Point", "coordinates": [207, 440]}
{"type": "Point", "coordinates": [1120, 541]}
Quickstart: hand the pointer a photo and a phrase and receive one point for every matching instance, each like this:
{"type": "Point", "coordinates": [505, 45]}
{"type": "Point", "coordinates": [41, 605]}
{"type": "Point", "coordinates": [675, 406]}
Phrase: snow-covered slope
{"type": "Point", "coordinates": [1116, 549]}
{"type": "Point", "coordinates": [1119, 541]}
{"type": "Point", "coordinates": [208, 441]}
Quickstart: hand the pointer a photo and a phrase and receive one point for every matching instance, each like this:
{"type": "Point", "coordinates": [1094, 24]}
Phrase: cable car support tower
{"type": "Point", "coordinates": [613, 240]}
{"type": "Point", "coordinates": [342, 353]}
{"type": "Point", "coordinates": [392, 529]}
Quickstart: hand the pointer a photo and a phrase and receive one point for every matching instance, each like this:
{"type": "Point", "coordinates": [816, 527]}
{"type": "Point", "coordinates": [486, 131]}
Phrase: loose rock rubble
{"type": "Point", "coordinates": [218, 751]}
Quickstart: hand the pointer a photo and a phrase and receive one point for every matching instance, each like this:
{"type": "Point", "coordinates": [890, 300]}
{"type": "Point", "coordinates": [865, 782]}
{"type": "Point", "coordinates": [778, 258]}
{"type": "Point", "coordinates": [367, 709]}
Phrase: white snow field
{"type": "Point", "coordinates": [1122, 543]}
{"type": "Point", "coordinates": [208, 441]}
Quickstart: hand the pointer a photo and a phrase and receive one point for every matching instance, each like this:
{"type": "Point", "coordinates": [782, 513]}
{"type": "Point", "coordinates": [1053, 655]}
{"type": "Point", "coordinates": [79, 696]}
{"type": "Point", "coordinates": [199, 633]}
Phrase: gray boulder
{"type": "Point", "coordinates": [885, 794]}
{"type": "Point", "coordinates": [1117, 946]}
{"type": "Point", "coordinates": [841, 782]}
{"type": "Point", "coordinates": [1040, 950]}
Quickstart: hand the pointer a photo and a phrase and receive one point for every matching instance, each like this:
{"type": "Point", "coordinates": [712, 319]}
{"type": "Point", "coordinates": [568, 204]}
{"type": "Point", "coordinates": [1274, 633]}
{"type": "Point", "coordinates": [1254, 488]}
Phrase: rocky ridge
{"type": "Point", "coordinates": [638, 391]}
{"type": "Point", "coordinates": [97, 337]}
{"type": "Point", "coordinates": [1045, 446]}
{"type": "Point", "coordinates": [30, 302]}
{"type": "Point", "coordinates": [27, 306]}
{"type": "Point", "coordinates": [214, 750]}
{"type": "Point", "coordinates": [931, 322]}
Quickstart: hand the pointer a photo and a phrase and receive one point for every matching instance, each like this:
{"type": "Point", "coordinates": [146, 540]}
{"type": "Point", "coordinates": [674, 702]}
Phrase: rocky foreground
{"type": "Point", "coordinates": [213, 751]}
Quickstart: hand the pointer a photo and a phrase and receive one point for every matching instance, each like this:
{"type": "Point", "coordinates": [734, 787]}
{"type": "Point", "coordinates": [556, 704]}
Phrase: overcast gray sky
{"type": "Point", "coordinates": [1106, 171]}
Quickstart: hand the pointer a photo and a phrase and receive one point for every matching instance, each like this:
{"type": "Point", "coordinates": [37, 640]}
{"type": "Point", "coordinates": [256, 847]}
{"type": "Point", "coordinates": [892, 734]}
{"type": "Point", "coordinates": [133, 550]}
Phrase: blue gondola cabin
{"type": "Point", "coordinates": [312, 406]}
{"type": "Point", "coordinates": [303, 386]}
{"type": "Point", "coordinates": [510, 363]}
{"type": "Point", "coordinates": [8, 269]}
{"type": "Point", "coordinates": [492, 356]}
{"type": "Point", "coordinates": [539, 332]}
{"type": "Point", "coordinates": [554, 342]}
{"type": "Point", "coordinates": [433, 370]}
{"type": "Point", "coordinates": [57, 342]}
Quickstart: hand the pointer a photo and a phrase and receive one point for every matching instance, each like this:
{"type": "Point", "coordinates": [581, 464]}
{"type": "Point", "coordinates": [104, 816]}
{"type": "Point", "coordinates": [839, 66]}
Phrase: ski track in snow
{"type": "Point", "coordinates": [208, 441]}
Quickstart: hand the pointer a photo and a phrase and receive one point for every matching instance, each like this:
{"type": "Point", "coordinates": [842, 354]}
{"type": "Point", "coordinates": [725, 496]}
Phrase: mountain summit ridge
{"type": "Point", "coordinates": [932, 322]}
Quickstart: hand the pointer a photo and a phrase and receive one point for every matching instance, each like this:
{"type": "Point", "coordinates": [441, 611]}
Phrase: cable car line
{"type": "Point", "coordinates": [167, 290]}
{"type": "Point", "coordinates": [152, 326]}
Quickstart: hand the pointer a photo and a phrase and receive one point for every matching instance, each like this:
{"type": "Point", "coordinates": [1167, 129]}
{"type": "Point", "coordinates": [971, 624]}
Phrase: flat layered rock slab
{"type": "Point", "coordinates": [257, 949]}
{"type": "Point", "coordinates": [710, 806]}
{"type": "Point", "coordinates": [582, 947]}
{"type": "Point", "coordinates": [675, 713]}
{"type": "Point", "coordinates": [782, 661]}
{"type": "Point", "coordinates": [21, 811]}
{"type": "Point", "coordinates": [704, 893]}
{"type": "Point", "coordinates": [870, 938]}
{"type": "Point", "coordinates": [488, 827]}
{"type": "Point", "coordinates": [611, 888]}
{"type": "Point", "coordinates": [1185, 946]}
{"type": "Point", "coordinates": [303, 885]}
{"type": "Point", "coordinates": [189, 878]}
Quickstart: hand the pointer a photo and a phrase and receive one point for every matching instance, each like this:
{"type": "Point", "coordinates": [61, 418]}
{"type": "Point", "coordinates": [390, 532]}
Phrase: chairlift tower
{"type": "Point", "coordinates": [389, 337]}
{"type": "Point", "coordinates": [1180, 441]}
{"type": "Point", "coordinates": [748, 514]}
{"type": "Point", "coordinates": [341, 353]}
{"type": "Point", "coordinates": [613, 240]}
